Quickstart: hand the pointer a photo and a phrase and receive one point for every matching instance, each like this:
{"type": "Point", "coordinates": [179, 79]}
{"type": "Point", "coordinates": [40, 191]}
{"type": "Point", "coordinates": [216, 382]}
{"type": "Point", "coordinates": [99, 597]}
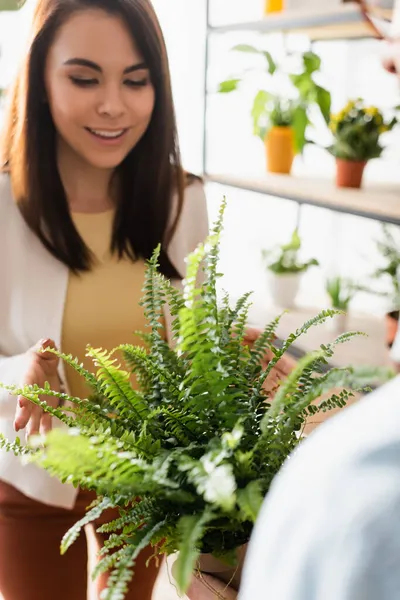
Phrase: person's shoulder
{"type": "Point", "coordinates": [338, 493]}
{"type": "Point", "coordinates": [366, 427]}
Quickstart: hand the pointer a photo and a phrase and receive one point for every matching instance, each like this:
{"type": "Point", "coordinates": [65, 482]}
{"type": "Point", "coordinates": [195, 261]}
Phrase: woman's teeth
{"type": "Point", "coordinates": [107, 134]}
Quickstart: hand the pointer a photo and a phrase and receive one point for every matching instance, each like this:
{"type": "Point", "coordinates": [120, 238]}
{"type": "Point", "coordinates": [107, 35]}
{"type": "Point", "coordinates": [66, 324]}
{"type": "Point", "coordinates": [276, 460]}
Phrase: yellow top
{"type": "Point", "coordinates": [102, 305]}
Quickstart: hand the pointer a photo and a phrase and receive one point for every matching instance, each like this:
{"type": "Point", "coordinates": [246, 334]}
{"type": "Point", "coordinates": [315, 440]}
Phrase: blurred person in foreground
{"type": "Point", "coordinates": [329, 528]}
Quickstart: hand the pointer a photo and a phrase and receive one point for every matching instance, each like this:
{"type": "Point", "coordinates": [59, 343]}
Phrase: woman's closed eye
{"type": "Point", "coordinates": [137, 82]}
{"type": "Point", "coordinates": [83, 81]}
{"type": "Point", "coordinates": [90, 81]}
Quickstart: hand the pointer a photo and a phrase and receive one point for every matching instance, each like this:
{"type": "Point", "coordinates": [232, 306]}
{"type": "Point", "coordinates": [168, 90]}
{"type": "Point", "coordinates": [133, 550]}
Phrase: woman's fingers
{"type": "Point", "coordinates": [42, 369]}
{"type": "Point", "coordinates": [23, 413]}
{"type": "Point", "coordinates": [45, 423]}
{"type": "Point", "coordinates": [33, 425]}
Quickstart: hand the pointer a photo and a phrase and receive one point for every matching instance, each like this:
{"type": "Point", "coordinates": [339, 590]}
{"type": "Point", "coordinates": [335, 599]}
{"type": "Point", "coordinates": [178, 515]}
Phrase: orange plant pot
{"type": "Point", "coordinates": [349, 173]}
{"type": "Point", "coordinates": [279, 145]}
{"type": "Point", "coordinates": [272, 6]}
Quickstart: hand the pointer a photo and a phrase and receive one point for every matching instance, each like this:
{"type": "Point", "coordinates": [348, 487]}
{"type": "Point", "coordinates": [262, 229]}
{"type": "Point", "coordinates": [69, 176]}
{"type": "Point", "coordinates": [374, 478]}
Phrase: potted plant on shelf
{"type": "Point", "coordinates": [285, 270]}
{"type": "Point", "coordinates": [357, 131]}
{"type": "Point", "coordinates": [280, 118]}
{"type": "Point", "coordinates": [341, 291]}
{"type": "Point", "coordinates": [189, 456]}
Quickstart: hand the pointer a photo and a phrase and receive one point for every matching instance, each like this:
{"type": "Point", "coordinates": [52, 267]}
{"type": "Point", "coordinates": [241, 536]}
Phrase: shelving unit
{"type": "Point", "coordinates": [378, 202]}
{"type": "Point", "coordinates": [341, 22]}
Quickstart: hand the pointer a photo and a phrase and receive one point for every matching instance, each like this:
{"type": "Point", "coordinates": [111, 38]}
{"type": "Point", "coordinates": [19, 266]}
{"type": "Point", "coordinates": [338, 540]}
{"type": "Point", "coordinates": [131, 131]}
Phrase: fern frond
{"type": "Point", "coordinates": [262, 344]}
{"type": "Point", "coordinates": [191, 530]}
{"type": "Point", "coordinates": [115, 385]}
{"type": "Point", "coordinates": [75, 364]}
{"type": "Point", "coordinates": [133, 516]}
{"type": "Point", "coordinates": [32, 393]}
{"type": "Point", "coordinates": [320, 318]}
{"type": "Point", "coordinates": [119, 579]}
{"type": "Point", "coordinates": [16, 447]}
{"type": "Point", "coordinates": [72, 535]}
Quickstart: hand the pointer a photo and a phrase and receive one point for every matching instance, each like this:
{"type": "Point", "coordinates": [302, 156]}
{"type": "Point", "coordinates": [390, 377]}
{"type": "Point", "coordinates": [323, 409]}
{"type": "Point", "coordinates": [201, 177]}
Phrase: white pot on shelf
{"type": "Point", "coordinates": [284, 288]}
{"type": "Point", "coordinates": [339, 324]}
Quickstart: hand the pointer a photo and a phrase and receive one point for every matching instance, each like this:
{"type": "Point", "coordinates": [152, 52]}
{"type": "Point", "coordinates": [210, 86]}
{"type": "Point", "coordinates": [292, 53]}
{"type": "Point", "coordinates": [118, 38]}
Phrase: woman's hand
{"type": "Point", "coordinates": [205, 587]}
{"type": "Point", "coordinates": [42, 369]}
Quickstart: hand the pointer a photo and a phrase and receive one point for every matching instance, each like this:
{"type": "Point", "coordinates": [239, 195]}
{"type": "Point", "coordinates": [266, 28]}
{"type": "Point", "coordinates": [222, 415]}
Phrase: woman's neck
{"type": "Point", "coordinates": [87, 188]}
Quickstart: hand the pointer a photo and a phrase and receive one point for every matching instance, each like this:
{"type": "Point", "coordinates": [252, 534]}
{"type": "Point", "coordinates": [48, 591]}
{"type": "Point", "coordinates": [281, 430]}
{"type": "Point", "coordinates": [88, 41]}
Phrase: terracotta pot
{"type": "Point", "coordinates": [279, 145]}
{"type": "Point", "coordinates": [349, 173]}
{"type": "Point", "coordinates": [392, 324]}
{"type": "Point", "coordinates": [230, 575]}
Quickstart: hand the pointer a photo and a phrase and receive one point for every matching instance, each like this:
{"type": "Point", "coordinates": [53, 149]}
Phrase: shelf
{"type": "Point", "coordinates": [343, 22]}
{"type": "Point", "coordinates": [380, 202]}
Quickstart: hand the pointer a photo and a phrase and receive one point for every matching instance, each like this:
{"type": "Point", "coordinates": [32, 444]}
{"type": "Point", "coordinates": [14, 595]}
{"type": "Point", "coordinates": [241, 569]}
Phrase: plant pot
{"type": "Point", "coordinates": [272, 6]}
{"type": "Point", "coordinates": [210, 565]}
{"type": "Point", "coordinates": [392, 324]}
{"type": "Point", "coordinates": [339, 323]}
{"type": "Point", "coordinates": [279, 145]}
{"type": "Point", "coordinates": [284, 289]}
{"type": "Point", "coordinates": [349, 173]}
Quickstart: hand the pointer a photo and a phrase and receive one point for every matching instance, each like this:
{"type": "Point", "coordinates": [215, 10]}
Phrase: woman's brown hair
{"type": "Point", "coordinates": [149, 176]}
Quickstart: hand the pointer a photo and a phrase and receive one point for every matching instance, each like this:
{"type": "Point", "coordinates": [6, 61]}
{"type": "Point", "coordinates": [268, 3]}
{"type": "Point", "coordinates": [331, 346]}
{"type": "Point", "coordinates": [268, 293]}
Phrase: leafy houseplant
{"type": "Point", "coordinates": [189, 456]}
{"type": "Point", "coordinates": [281, 119]}
{"type": "Point", "coordinates": [357, 131]}
{"type": "Point", "coordinates": [286, 269]}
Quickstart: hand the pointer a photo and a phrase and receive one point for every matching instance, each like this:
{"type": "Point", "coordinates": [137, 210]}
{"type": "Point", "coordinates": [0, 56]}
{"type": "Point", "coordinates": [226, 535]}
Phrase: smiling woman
{"type": "Point", "coordinates": [95, 67]}
{"type": "Point", "coordinates": [92, 183]}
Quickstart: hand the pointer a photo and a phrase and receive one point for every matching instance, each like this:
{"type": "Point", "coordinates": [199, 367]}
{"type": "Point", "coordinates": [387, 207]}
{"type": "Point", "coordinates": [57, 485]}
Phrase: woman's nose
{"type": "Point", "coordinates": [111, 103]}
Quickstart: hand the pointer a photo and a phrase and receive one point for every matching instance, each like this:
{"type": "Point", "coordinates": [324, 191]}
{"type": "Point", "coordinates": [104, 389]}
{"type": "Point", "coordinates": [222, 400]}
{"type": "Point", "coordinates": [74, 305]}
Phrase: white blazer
{"type": "Point", "coordinates": [33, 287]}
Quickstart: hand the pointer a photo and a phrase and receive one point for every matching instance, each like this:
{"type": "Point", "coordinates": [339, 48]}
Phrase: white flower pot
{"type": "Point", "coordinates": [339, 324]}
{"type": "Point", "coordinates": [284, 288]}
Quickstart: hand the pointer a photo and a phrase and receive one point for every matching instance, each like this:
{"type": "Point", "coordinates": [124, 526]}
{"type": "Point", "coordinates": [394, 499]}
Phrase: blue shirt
{"type": "Point", "coordinates": [329, 528]}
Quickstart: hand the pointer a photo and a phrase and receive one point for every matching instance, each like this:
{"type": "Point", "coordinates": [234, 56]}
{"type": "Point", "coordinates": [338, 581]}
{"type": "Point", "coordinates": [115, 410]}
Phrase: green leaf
{"type": "Point", "coordinates": [247, 48]}
{"type": "Point", "coordinates": [312, 62]}
{"type": "Point", "coordinates": [300, 123]}
{"type": "Point", "coordinates": [324, 102]}
{"type": "Point", "coordinates": [272, 67]}
{"type": "Point", "coordinates": [191, 530]}
{"type": "Point", "coordinates": [250, 500]}
{"type": "Point", "coordinates": [229, 85]}
{"type": "Point", "coordinates": [259, 109]}
{"type": "Point", "coordinates": [72, 534]}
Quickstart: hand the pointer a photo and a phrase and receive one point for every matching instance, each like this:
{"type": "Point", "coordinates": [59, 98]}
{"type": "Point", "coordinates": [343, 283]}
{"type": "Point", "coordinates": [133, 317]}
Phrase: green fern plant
{"type": "Point", "coordinates": [201, 440]}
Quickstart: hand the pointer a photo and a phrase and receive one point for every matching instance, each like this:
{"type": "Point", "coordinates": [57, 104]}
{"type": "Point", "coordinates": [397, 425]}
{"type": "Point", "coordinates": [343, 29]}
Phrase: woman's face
{"type": "Point", "coordinates": [98, 88]}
